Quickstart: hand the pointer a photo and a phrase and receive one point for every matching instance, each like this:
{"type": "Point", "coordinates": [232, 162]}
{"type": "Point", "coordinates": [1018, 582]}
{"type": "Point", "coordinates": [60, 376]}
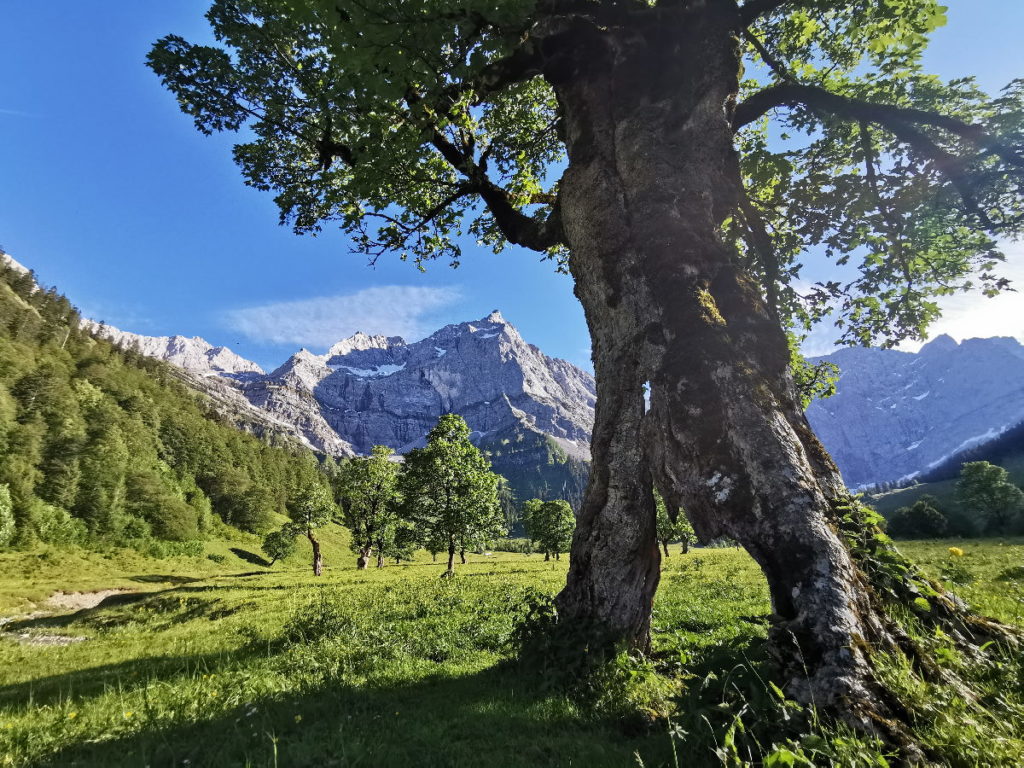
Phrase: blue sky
{"type": "Point", "coordinates": [109, 193]}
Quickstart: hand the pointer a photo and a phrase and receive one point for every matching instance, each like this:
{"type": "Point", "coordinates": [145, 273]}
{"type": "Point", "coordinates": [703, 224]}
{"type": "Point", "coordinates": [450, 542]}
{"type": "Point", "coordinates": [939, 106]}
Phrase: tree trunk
{"type": "Point", "coordinates": [652, 175]}
{"type": "Point", "coordinates": [686, 546]}
{"type": "Point", "coordinates": [451, 561]}
{"type": "Point", "coordinates": [318, 561]}
{"type": "Point", "coordinates": [664, 545]}
{"type": "Point", "coordinates": [380, 559]}
{"type": "Point", "coordinates": [462, 556]}
{"type": "Point", "coordinates": [547, 556]}
{"type": "Point", "coordinates": [363, 561]}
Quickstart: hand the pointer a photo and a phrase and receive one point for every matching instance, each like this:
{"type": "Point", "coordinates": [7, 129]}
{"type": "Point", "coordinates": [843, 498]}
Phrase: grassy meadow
{"type": "Point", "coordinates": [225, 662]}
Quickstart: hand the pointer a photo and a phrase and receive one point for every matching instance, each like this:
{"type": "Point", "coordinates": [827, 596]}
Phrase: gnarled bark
{"type": "Point", "coordinates": [652, 175]}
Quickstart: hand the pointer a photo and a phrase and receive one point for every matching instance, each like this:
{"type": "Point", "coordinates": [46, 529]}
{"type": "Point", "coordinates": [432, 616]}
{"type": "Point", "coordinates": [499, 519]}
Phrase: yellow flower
{"type": "Point", "coordinates": [298, 718]}
{"type": "Point", "coordinates": [128, 714]}
{"type": "Point", "coordinates": [213, 693]}
{"type": "Point", "coordinates": [956, 552]}
{"type": "Point", "coordinates": [72, 715]}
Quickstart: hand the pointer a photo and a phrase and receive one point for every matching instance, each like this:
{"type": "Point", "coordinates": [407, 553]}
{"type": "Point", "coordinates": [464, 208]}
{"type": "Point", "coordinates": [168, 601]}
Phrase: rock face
{"type": "Point", "coordinates": [374, 390]}
{"type": "Point", "coordinates": [898, 414]}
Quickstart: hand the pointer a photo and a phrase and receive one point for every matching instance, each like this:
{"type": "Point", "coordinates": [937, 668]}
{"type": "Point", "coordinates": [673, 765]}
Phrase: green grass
{"type": "Point", "coordinates": [231, 664]}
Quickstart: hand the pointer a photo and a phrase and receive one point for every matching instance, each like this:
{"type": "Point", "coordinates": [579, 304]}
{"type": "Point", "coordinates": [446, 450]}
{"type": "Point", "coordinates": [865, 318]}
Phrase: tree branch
{"type": "Point", "coordinates": [516, 226]}
{"type": "Point", "coordinates": [900, 120]}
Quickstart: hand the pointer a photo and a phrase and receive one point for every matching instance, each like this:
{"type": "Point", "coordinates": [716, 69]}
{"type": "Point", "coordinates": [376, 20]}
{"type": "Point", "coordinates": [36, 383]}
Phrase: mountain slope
{"type": "Point", "coordinates": [103, 444]}
{"type": "Point", "coordinates": [896, 415]}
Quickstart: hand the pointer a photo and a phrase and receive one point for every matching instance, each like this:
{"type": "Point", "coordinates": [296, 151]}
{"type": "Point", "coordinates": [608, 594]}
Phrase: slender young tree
{"type": "Point", "coordinates": [311, 507]}
{"type": "Point", "coordinates": [280, 544]}
{"type": "Point", "coordinates": [630, 141]}
{"type": "Point", "coordinates": [367, 491]}
{"type": "Point", "coordinates": [669, 529]}
{"type": "Point", "coordinates": [450, 492]}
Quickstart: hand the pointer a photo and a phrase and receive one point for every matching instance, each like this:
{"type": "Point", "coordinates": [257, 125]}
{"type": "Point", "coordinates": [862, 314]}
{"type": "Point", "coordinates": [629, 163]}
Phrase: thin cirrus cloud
{"type": "Point", "coordinates": [391, 310]}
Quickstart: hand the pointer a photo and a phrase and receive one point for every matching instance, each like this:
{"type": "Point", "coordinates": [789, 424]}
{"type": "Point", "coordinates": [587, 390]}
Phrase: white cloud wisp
{"type": "Point", "coordinates": [391, 310]}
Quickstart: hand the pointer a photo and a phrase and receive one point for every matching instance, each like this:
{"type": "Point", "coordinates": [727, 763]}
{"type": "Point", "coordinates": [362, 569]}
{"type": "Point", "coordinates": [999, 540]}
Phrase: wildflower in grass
{"type": "Point", "coordinates": [128, 715]}
{"type": "Point", "coordinates": [298, 718]}
{"type": "Point", "coordinates": [72, 715]}
{"type": "Point", "coordinates": [956, 552]}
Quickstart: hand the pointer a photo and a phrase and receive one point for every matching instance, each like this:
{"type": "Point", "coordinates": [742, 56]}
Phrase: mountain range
{"type": "Point", "coordinates": [895, 416]}
{"type": "Point", "coordinates": [531, 413]}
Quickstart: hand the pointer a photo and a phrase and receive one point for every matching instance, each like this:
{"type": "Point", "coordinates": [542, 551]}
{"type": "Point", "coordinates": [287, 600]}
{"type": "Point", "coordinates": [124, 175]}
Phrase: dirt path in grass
{"type": "Point", "coordinates": [64, 602]}
{"type": "Point", "coordinates": [78, 601]}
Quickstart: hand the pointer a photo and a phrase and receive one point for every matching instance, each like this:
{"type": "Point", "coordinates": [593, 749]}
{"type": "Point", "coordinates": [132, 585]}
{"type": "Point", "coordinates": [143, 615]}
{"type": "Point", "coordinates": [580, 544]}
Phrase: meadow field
{"type": "Point", "coordinates": [200, 661]}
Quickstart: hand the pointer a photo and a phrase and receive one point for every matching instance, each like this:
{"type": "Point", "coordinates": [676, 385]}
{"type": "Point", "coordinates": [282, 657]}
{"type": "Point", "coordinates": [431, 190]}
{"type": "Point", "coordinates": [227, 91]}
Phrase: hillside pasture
{"type": "Point", "coordinates": [222, 662]}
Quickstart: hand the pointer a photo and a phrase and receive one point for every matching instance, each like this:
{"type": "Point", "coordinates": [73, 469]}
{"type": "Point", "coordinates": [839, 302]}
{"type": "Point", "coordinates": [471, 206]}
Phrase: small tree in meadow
{"type": "Point", "coordinates": [367, 490]}
{"type": "Point", "coordinates": [310, 508]}
{"type": "Point", "coordinates": [669, 530]}
{"type": "Point", "coordinates": [450, 492]}
{"type": "Point", "coordinates": [986, 488]}
{"type": "Point", "coordinates": [277, 545]}
{"type": "Point", "coordinates": [550, 525]}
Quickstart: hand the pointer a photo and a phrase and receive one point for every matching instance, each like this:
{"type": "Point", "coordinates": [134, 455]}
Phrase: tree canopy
{"type": "Point", "coordinates": [450, 493]}
{"type": "Point", "coordinates": [549, 524]}
{"type": "Point", "coordinates": [367, 490]}
{"type": "Point", "coordinates": [986, 488]}
{"type": "Point", "coordinates": [411, 123]}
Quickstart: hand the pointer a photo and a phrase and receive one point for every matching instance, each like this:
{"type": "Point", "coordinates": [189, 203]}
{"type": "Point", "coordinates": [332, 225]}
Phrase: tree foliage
{"type": "Point", "coordinates": [670, 530]}
{"type": "Point", "coordinates": [367, 491]}
{"type": "Point", "coordinates": [922, 520]}
{"type": "Point", "coordinates": [101, 444]}
{"type": "Point", "coordinates": [6, 517]}
{"type": "Point", "coordinates": [279, 544]}
{"type": "Point", "coordinates": [550, 525]}
{"type": "Point", "coordinates": [450, 493]}
{"type": "Point", "coordinates": [409, 124]}
{"type": "Point", "coordinates": [985, 488]}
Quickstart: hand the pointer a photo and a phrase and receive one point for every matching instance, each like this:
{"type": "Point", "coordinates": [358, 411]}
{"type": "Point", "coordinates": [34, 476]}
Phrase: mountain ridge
{"type": "Point", "coordinates": [896, 415]}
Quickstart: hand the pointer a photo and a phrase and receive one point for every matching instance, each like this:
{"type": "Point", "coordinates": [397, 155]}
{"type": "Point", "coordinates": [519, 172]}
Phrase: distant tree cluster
{"type": "Point", "coordinates": [102, 445]}
{"type": "Point", "coordinates": [989, 503]}
{"type": "Point", "coordinates": [443, 497]}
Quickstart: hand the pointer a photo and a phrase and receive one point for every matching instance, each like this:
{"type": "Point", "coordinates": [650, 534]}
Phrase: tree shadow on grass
{"type": "Point", "coordinates": [164, 578]}
{"type": "Point", "coordinates": [250, 557]}
{"type": "Point", "coordinates": [126, 676]}
{"type": "Point", "coordinates": [492, 717]}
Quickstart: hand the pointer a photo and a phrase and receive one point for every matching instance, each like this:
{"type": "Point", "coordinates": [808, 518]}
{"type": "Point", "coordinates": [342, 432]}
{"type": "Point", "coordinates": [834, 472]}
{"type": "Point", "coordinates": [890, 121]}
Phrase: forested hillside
{"type": "Point", "coordinates": [102, 444]}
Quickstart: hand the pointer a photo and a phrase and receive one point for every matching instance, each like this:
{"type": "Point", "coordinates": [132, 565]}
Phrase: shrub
{"type": "Point", "coordinates": [922, 520]}
{"type": "Point", "coordinates": [56, 526]}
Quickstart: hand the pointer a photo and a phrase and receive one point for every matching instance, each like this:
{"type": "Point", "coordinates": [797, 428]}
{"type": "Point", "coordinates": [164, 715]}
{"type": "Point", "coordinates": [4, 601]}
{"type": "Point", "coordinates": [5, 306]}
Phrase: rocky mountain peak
{"type": "Point", "coordinates": [8, 260]}
{"type": "Point", "coordinates": [360, 341]}
{"type": "Point", "coordinates": [194, 354]}
{"type": "Point", "coordinates": [941, 344]}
